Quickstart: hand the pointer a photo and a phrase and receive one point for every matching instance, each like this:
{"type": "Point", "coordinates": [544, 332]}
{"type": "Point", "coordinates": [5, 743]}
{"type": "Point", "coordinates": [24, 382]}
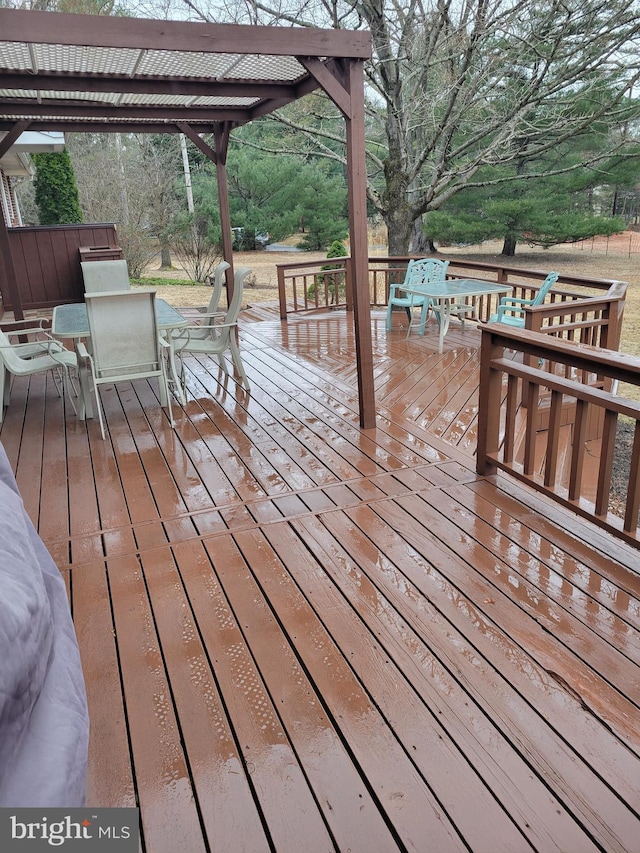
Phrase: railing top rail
{"type": "Point", "coordinates": [297, 265]}
{"type": "Point", "coordinates": [620, 365]}
{"type": "Point", "coordinates": [73, 226]}
{"type": "Point", "coordinates": [461, 263]}
{"type": "Point", "coordinates": [571, 387]}
{"type": "Point", "coordinates": [575, 306]}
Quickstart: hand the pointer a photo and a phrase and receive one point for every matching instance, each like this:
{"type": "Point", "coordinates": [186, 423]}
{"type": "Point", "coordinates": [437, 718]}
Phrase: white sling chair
{"type": "Point", "coordinates": [213, 312]}
{"type": "Point", "coordinates": [125, 342]}
{"type": "Point", "coordinates": [37, 356]}
{"type": "Point", "coordinates": [218, 283]}
{"type": "Point", "coordinates": [105, 276]}
{"type": "Point", "coordinates": [216, 338]}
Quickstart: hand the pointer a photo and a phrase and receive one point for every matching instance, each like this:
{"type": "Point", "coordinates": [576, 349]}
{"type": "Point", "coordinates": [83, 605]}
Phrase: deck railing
{"type": "Point", "coordinates": [306, 286]}
{"type": "Point", "coordinates": [508, 434]}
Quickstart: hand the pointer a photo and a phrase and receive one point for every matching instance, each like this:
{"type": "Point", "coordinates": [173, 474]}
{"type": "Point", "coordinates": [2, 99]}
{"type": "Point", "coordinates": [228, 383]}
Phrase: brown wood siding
{"type": "Point", "coordinates": [47, 262]}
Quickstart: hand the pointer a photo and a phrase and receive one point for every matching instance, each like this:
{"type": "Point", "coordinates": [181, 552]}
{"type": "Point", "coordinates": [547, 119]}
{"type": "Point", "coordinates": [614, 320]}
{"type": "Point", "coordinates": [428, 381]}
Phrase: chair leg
{"type": "Point", "coordinates": [222, 362]}
{"type": "Point", "coordinates": [237, 360]}
{"type": "Point", "coordinates": [172, 375]}
{"type": "Point", "coordinates": [424, 313]}
{"type": "Point", "coordinates": [388, 323]}
{"type": "Point", "coordinates": [99, 408]}
{"type": "Point", "coordinates": [66, 385]}
{"type": "Point", "coordinates": [58, 380]}
{"type": "Point", "coordinates": [4, 380]}
{"type": "Point", "coordinates": [164, 379]}
{"type": "Point", "coordinates": [6, 386]}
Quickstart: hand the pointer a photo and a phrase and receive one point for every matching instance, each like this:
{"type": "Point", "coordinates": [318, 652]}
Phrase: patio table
{"type": "Point", "coordinates": [71, 321]}
{"type": "Point", "coordinates": [445, 294]}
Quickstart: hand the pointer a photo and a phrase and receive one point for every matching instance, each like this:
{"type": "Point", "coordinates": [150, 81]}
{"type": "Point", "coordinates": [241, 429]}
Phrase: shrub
{"type": "Point", "coordinates": [195, 245]}
{"type": "Point", "coordinates": [336, 283]}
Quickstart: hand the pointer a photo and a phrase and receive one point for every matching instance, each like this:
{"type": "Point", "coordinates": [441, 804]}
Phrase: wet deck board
{"type": "Point", "coordinates": [300, 636]}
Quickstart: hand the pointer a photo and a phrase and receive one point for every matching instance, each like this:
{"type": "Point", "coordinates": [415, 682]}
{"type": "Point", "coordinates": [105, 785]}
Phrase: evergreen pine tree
{"type": "Point", "coordinates": [56, 191]}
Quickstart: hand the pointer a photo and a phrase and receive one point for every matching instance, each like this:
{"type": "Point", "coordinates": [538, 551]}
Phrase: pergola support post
{"type": "Point", "coordinates": [219, 158]}
{"type": "Point", "coordinates": [10, 270]}
{"type": "Point", "coordinates": [357, 192]}
{"type": "Point", "coordinates": [221, 136]}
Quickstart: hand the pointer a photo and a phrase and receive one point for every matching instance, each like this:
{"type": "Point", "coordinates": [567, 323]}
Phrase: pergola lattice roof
{"type": "Point", "coordinates": [65, 72]}
{"type": "Point", "coordinates": [109, 74]}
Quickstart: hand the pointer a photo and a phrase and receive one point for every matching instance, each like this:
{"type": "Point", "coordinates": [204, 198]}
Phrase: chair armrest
{"type": "Point", "coordinates": [27, 330]}
{"type": "Point", "coordinates": [210, 314]}
{"type": "Point", "coordinates": [509, 309]}
{"type": "Point", "coordinates": [221, 326]}
{"type": "Point", "coordinates": [49, 345]}
{"type": "Point", "coordinates": [82, 350]}
{"type": "Point", "coordinates": [39, 326]}
{"type": "Point", "coordinates": [516, 300]}
{"type": "Point", "coordinates": [177, 332]}
{"type": "Point", "coordinates": [180, 337]}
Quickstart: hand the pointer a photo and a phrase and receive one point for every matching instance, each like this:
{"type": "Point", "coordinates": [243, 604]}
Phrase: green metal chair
{"type": "Point", "coordinates": [511, 308]}
{"type": "Point", "coordinates": [423, 271]}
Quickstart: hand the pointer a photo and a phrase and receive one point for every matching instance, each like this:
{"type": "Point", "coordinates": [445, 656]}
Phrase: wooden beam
{"type": "Point", "coordinates": [219, 157]}
{"type": "Point", "coordinates": [107, 126]}
{"type": "Point", "coordinates": [198, 141]}
{"type": "Point", "coordinates": [151, 85]}
{"type": "Point", "coordinates": [221, 136]}
{"type": "Point", "coordinates": [82, 110]}
{"type": "Point", "coordinates": [304, 87]}
{"type": "Point", "coordinates": [329, 81]}
{"type": "Point", "coordinates": [7, 141]}
{"type": "Point", "coordinates": [10, 271]}
{"type": "Point", "coordinates": [19, 25]}
{"type": "Point", "coordinates": [359, 266]}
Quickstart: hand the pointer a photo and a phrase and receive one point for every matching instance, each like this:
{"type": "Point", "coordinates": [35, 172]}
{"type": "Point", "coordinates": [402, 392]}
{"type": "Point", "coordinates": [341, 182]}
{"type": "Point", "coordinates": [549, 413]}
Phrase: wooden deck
{"type": "Point", "coordinates": [298, 636]}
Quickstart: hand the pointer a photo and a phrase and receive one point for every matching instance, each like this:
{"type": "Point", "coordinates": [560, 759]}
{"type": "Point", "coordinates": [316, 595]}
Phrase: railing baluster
{"type": "Point", "coordinates": [633, 494]}
{"type": "Point", "coordinates": [578, 450]}
{"type": "Point", "coordinates": [553, 439]}
{"type": "Point", "coordinates": [607, 448]}
{"type": "Point", "coordinates": [508, 446]}
{"type": "Point", "coordinates": [595, 407]}
{"type": "Point", "coordinates": [533, 395]}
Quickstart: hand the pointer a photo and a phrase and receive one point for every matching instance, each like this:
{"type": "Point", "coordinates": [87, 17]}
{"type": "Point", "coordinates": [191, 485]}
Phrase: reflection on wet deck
{"type": "Point", "coordinates": [299, 636]}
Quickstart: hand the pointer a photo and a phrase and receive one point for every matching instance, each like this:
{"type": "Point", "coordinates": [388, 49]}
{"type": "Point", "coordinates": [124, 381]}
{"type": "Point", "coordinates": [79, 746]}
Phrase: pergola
{"type": "Point", "coordinates": [83, 73]}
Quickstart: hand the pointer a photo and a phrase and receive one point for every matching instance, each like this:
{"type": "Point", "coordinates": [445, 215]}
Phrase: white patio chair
{"type": "Point", "coordinates": [125, 342]}
{"type": "Point", "coordinates": [213, 311]}
{"type": "Point", "coordinates": [37, 356]}
{"type": "Point", "coordinates": [105, 276]}
{"type": "Point", "coordinates": [217, 337]}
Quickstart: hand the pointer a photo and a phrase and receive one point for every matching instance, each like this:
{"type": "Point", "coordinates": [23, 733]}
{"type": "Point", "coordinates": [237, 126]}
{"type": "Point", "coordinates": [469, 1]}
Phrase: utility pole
{"type": "Point", "coordinates": [187, 172]}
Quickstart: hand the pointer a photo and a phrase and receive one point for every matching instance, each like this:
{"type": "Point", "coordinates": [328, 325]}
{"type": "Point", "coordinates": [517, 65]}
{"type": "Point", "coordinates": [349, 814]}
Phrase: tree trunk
{"type": "Point", "coordinates": [509, 246]}
{"type": "Point", "coordinates": [165, 256]}
{"type": "Point", "coordinates": [420, 243]}
{"type": "Point", "coordinates": [395, 206]}
{"type": "Point", "coordinates": [399, 234]}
